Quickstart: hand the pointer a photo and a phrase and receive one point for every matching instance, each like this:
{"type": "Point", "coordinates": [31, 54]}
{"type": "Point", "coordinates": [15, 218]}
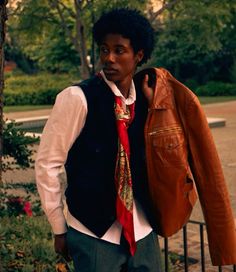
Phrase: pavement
{"type": "Point", "coordinates": [225, 140]}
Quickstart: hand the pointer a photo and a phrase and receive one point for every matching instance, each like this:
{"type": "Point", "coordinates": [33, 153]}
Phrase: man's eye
{"type": "Point", "coordinates": [104, 50]}
{"type": "Point", "coordinates": [119, 51]}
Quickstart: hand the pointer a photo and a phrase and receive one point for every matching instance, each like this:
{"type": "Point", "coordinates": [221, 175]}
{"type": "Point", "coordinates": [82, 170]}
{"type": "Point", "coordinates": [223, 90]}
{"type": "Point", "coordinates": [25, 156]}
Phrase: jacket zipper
{"type": "Point", "coordinates": [160, 131]}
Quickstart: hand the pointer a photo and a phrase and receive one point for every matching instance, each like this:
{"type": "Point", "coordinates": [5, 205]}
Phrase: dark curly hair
{"type": "Point", "coordinates": [131, 25]}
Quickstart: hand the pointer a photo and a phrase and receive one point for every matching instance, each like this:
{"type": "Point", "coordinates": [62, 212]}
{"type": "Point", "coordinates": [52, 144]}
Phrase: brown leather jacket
{"type": "Point", "coordinates": [181, 156]}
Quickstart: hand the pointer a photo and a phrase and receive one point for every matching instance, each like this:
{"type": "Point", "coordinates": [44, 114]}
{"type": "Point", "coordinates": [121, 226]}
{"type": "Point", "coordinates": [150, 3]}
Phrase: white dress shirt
{"type": "Point", "coordinates": [64, 125]}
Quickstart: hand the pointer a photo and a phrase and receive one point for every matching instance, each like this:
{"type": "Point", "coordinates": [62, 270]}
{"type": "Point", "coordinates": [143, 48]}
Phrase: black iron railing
{"type": "Point", "coordinates": [185, 247]}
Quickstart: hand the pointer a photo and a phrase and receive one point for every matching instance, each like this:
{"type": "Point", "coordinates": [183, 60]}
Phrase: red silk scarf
{"type": "Point", "coordinates": [123, 180]}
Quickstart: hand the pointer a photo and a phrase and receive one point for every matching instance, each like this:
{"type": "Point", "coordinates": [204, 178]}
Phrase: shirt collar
{"type": "Point", "coordinates": [132, 92]}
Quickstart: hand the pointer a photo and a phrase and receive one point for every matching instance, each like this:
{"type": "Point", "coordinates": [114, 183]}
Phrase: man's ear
{"type": "Point", "coordinates": [139, 56]}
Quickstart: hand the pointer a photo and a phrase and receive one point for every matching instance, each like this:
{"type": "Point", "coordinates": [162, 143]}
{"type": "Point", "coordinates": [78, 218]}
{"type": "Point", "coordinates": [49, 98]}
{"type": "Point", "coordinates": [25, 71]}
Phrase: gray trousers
{"type": "Point", "coordinates": [90, 254]}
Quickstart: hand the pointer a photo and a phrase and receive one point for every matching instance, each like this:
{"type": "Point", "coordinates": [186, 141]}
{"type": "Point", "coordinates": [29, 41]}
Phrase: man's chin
{"type": "Point", "coordinates": [111, 77]}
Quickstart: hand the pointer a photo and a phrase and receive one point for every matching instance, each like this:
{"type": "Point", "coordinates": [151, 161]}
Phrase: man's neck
{"type": "Point", "coordinates": [124, 87]}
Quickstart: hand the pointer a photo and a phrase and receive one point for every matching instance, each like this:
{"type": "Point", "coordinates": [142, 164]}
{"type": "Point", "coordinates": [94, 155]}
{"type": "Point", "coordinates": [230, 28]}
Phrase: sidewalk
{"type": "Point", "coordinates": [221, 110]}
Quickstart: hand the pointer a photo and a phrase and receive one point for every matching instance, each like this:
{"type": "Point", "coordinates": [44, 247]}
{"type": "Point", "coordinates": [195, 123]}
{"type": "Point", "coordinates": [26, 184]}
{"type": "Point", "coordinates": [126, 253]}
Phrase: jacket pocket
{"type": "Point", "coordinates": [169, 146]}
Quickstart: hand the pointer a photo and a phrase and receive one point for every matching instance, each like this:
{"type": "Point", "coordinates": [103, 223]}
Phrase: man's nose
{"type": "Point", "coordinates": [110, 57]}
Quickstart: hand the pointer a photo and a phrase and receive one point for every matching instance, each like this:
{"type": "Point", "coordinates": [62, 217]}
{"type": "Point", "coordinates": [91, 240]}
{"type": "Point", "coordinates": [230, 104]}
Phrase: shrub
{"type": "Point", "coordinates": [15, 206]}
{"type": "Point", "coordinates": [38, 89]}
{"type": "Point", "coordinates": [233, 72]}
{"type": "Point", "coordinates": [27, 203]}
{"type": "Point", "coordinates": [16, 147]}
{"type": "Point", "coordinates": [26, 240]}
{"type": "Point", "coordinates": [191, 83]}
{"type": "Point", "coordinates": [214, 88]}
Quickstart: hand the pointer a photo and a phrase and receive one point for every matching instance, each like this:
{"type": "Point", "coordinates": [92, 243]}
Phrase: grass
{"type": "Point", "coordinates": [203, 100]}
{"type": "Point", "coordinates": [215, 99]}
{"type": "Point", "coordinates": [26, 244]}
{"type": "Point", "coordinates": [8, 109]}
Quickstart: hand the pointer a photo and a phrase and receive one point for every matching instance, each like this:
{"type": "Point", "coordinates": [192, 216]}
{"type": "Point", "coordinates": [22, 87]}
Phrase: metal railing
{"type": "Point", "coordinates": [185, 247]}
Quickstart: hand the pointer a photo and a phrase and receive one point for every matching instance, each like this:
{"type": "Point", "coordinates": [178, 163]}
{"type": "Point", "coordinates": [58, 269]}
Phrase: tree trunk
{"type": "Point", "coordinates": [3, 18]}
{"type": "Point", "coordinates": [81, 41]}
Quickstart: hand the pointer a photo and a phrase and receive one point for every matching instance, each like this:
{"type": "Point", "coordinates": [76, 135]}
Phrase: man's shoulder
{"type": "Point", "coordinates": [92, 87]}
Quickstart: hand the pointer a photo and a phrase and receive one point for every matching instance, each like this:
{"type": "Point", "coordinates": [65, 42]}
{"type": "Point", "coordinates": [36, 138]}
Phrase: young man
{"type": "Point", "coordinates": [133, 153]}
{"type": "Point", "coordinates": [96, 131]}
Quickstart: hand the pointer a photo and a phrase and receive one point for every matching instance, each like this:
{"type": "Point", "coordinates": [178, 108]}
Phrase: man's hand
{"type": "Point", "coordinates": [148, 91]}
{"type": "Point", "coordinates": [60, 246]}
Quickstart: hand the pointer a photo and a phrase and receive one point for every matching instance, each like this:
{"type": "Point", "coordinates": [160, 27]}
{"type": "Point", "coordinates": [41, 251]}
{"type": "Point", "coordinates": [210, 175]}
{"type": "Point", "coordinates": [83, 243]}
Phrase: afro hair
{"type": "Point", "coordinates": [131, 25]}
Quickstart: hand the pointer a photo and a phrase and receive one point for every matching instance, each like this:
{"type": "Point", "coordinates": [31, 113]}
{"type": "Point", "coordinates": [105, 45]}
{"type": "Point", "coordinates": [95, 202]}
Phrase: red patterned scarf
{"type": "Point", "coordinates": [123, 180]}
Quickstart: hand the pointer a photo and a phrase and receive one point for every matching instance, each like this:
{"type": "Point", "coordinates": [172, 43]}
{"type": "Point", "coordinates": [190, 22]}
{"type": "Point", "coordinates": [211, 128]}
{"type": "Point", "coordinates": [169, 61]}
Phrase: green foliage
{"type": "Point", "coordinates": [14, 205]}
{"type": "Point", "coordinates": [216, 89]}
{"type": "Point", "coordinates": [20, 108]}
{"type": "Point", "coordinates": [38, 31]}
{"type": "Point", "coordinates": [29, 187]}
{"type": "Point", "coordinates": [195, 40]}
{"type": "Point", "coordinates": [13, 53]}
{"type": "Point", "coordinates": [26, 244]}
{"type": "Point", "coordinates": [16, 149]}
{"type": "Point", "coordinates": [57, 54]}
{"type": "Point", "coordinates": [215, 99]}
{"type": "Point", "coordinates": [38, 89]}
{"type": "Point", "coordinates": [233, 72]}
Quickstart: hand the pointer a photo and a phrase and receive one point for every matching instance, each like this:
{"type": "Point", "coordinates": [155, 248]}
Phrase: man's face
{"type": "Point", "coordinates": [118, 58]}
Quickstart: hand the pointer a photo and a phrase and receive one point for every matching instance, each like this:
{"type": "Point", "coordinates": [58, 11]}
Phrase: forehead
{"type": "Point", "coordinates": [116, 40]}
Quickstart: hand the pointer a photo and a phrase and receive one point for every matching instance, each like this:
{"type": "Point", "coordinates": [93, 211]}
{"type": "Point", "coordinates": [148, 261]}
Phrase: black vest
{"type": "Point", "coordinates": [90, 165]}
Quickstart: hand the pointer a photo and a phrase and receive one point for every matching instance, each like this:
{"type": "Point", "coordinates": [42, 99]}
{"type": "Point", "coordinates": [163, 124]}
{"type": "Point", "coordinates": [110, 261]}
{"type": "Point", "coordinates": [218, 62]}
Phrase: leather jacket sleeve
{"type": "Point", "coordinates": [208, 175]}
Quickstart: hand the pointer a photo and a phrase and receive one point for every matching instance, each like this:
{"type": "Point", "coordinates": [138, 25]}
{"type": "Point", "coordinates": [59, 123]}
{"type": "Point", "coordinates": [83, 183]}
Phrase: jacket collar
{"type": "Point", "coordinates": [163, 98]}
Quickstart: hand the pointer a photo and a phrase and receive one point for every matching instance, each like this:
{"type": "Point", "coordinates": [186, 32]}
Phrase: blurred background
{"type": "Point", "coordinates": [49, 44]}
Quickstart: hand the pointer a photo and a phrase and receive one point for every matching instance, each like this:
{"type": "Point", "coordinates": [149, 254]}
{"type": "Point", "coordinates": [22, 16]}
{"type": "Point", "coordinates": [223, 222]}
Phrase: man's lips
{"type": "Point", "coordinates": [109, 70]}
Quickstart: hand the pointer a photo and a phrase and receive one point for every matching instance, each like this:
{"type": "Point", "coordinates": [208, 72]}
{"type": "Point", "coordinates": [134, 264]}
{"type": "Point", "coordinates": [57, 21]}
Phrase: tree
{"type": "Point", "coordinates": [15, 142]}
{"type": "Point", "coordinates": [3, 18]}
{"type": "Point", "coordinates": [192, 36]}
{"type": "Point", "coordinates": [36, 25]}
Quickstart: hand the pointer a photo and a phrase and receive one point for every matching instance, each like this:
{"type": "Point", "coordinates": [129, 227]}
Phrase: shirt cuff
{"type": "Point", "coordinates": [59, 225]}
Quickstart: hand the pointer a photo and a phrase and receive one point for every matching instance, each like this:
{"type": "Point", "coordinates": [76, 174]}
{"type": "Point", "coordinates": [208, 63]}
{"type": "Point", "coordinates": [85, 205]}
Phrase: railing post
{"type": "Point", "coordinates": [166, 254]}
{"type": "Point", "coordinates": [202, 248]}
{"type": "Point", "coordinates": [185, 244]}
{"type": "Point", "coordinates": [185, 248]}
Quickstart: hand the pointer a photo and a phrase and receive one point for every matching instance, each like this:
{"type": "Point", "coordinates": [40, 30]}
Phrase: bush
{"type": "Point", "coordinates": [26, 240]}
{"type": "Point", "coordinates": [38, 89]}
{"type": "Point", "coordinates": [214, 88]}
{"type": "Point", "coordinates": [16, 148]}
{"type": "Point", "coordinates": [191, 83]}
